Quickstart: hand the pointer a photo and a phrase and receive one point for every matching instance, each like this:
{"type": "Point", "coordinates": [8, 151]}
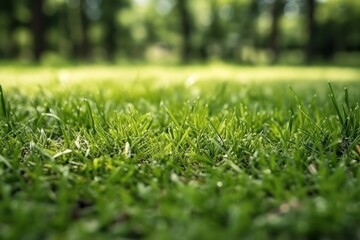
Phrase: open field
{"type": "Point", "coordinates": [217, 152]}
{"type": "Point", "coordinates": [11, 75]}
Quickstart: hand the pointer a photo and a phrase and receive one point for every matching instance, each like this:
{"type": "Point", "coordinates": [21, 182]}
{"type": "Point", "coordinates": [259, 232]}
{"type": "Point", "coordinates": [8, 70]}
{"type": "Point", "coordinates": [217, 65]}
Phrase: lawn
{"type": "Point", "coordinates": [202, 152]}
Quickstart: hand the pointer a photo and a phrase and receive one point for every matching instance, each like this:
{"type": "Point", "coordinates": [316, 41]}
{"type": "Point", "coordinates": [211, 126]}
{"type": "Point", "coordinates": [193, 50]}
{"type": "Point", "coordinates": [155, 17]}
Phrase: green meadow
{"type": "Point", "coordinates": [191, 152]}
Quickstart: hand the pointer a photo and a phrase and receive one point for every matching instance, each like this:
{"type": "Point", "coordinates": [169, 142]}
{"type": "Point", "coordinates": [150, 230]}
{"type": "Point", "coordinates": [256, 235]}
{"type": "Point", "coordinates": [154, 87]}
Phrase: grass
{"type": "Point", "coordinates": [207, 157]}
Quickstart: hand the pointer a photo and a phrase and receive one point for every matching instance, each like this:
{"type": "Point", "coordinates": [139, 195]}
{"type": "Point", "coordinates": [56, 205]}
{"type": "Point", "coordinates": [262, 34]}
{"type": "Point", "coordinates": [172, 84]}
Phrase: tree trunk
{"type": "Point", "coordinates": [7, 50]}
{"type": "Point", "coordinates": [38, 28]}
{"type": "Point", "coordinates": [186, 29]}
{"type": "Point", "coordinates": [110, 39]}
{"type": "Point", "coordinates": [111, 30]}
{"type": "Point", "coordinates": [248, 29]}
{"type": "Point", "coordinates": [276, 12]}
{"type": "Point", "coordinates": [311, 25]}
{"type": "Point", "coordinates": [85, 43]}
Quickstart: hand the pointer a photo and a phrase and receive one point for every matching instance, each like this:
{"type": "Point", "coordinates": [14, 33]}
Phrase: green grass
{"type": "Point", "coordinates": [149, 153]}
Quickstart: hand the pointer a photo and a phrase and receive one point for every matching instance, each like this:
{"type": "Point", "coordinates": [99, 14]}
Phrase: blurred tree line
{"type": "Point", "coordinates": [244, 31]}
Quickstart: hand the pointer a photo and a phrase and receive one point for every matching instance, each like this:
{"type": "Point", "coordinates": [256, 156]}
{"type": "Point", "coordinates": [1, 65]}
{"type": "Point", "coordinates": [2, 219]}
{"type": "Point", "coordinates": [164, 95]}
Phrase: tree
{"type": "Point", "coordinates": [8, 48]}
{"type": "Point", "coordinates": [38, 28]}
{"type": "Point", "coordinates": [111, 30]}
{"type": "Point", "coordinates": [78, 24]}
{"type": "Point", "coordinates": [311, 30]}
{"type": "Point", "coordinates": [116, 35]}
{"type": "Point", "coordinates": [276, 13]}
{"type": "Point", "coordinates": [247, 25]}
{"type": "Point", "coordinates": [84, 43]}
{"type": "Point", "coordinates": [186, 29]}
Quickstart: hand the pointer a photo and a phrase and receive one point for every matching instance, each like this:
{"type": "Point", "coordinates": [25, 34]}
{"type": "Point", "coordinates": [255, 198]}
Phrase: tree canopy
{"type": "Point", "coordinates": [244, 31]}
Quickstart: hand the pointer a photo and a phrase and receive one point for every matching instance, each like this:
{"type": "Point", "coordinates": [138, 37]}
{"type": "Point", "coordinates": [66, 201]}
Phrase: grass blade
{"type": "Point", "coordinates": [171, 115]}
{"type": "Point", "coordinates": [5, 161]}
{"type": "Point", "coordinates": [347, 102]}
{"type": "Point", "coordinates": [336, 106]}
{"type": "Point", "coordinates": [3, 103]}
{"type": "Point", "coordinates": [90, 113]}
{"type": "Point", "coordinates": [216, 132]}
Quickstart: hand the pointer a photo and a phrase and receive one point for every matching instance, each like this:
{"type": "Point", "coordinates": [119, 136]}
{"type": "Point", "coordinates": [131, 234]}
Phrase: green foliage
{"type": "Point", "coordinates": [150, 30]}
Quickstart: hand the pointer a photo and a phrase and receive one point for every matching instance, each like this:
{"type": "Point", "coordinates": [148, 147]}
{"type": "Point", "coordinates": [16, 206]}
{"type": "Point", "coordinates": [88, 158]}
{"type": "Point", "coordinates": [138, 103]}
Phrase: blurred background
{"type": "Point", "coordinates": [181, 31]}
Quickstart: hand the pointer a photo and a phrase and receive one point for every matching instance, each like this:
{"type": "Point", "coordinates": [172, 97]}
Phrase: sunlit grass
{"type": "Point", "coordinates": [13, 76]}
{"type": "Point", "coordinates": [217, 152]}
